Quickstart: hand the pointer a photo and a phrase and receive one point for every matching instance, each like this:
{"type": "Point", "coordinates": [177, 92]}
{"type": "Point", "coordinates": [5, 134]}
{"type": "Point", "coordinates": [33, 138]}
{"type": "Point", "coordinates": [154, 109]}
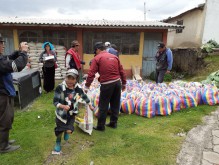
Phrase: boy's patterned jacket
{"type": "Point", "coordinates": [64, 95]}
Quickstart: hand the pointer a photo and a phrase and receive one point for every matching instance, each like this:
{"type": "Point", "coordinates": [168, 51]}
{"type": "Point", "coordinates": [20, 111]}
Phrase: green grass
{"type": "Point", "coordinates": [137, 140]}
{"type": "Point", "coordinates": [212, 66]}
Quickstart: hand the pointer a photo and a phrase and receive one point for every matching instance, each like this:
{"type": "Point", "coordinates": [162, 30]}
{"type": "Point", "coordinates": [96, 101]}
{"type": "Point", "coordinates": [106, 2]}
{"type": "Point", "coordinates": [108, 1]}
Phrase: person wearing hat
{"type": "Point", "coordinates": [164, 61]}
{"type": "Point", "coordinates": [73, 59]}
{"type": "Point", "coordinates": [48, 58]}
{"type": "Point", "coordinates": [112, 79]}
{"type": "Point", "coordinates": [67, 95]}
{"type": "Point", "coordinates": [8, 64]}
{"type": "Point", "coordinates": [111, 48]}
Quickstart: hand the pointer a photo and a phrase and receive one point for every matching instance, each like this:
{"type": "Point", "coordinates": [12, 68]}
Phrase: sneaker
{"type": "Point", "coordinates": [11, 141]}
{"type": "Point", "coordinates": [66, 136]}
{"type": "Point", "coordinates": [57, 147]}
{"type": "Point", "coordinates": [9, 148]}
{"type": "Point", "coordinates": [112, 125]}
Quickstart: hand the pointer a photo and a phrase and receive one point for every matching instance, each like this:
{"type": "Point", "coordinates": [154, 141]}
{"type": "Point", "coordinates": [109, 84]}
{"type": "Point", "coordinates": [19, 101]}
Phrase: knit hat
{"type": "Point", "coordinates": [48, 43]}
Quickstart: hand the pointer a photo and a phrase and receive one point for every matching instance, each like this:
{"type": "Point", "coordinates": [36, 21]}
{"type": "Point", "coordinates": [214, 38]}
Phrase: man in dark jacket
{"type": "Point", "coordinates": [164, 63]}
{"type": "Point", "coordinates": [8, 64]}
{"type": "Point", "coordinates": [112, 79]}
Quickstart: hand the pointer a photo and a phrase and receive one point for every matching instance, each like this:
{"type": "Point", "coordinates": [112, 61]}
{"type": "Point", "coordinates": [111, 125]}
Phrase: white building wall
{"type": "Point", "coordinates": [211, 28]}
{"type": "Point", "coordinates": [192, 33]}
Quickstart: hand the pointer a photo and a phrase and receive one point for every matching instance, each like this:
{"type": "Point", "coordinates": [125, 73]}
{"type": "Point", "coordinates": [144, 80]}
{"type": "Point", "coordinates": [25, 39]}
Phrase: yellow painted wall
{"type": "Point", "coordinates": [126, 60]}
{"type": "Point", "coordinates": [16, 41]}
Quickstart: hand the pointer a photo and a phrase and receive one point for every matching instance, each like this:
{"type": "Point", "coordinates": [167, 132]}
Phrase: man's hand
{"type": "Point", "coordinates": [123, 87]}
{"type": "Point", "coordinates": [24, 47]}
{"type": "Point", "coordinates": [168, 71]}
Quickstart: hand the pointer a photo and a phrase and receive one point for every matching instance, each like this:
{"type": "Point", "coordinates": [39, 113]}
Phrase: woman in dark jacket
{"type": "Point", "coordinates": [48, 58]}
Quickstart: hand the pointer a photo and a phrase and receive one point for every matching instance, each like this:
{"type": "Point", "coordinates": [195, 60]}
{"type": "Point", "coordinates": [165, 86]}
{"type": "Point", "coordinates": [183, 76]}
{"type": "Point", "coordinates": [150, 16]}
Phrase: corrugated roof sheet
{"type": "Point", "coordinates": [200, 7]}
{"type": "Point", "coordinates": [87, 23]}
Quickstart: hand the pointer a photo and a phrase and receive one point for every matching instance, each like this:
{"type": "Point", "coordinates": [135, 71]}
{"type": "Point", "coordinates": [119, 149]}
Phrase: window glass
{"type": "Point", "coordinates": [9, 40]}
{"type": "Point", "coordinates": [179, 22]}
{"type": "Point", "coordinates": [127, 43]}
{"type": "Point", "coordinates": [63, 38]}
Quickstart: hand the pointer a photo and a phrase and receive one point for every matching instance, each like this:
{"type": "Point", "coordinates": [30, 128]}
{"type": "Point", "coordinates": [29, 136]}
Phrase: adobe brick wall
{"type": "Point", "coordinates": [188, 60]}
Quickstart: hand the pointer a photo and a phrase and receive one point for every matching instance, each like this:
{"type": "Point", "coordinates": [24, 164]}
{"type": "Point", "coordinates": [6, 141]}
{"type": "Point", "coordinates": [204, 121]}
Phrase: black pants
{"type": "Point", "coordinates": [6, 119]}
{"type": "Point", "coordinates": [109, 94]}
{"type": "Point", "coordinates": [49, 78]}
{"type": "Point", "coordinates": [62, 127]}
{"type": "Point", "coordinates": [159, 77]}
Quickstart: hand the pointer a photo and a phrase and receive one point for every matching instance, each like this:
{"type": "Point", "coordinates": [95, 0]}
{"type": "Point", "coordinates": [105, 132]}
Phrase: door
{"type": "Point", "coordinates": [9, 45]}
{"type": "Point", "coordinates": [151, 41]}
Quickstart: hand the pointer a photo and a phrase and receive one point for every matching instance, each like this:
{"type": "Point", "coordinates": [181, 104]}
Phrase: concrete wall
{"type": "Point", "coordinates": [211, 30]}
{"type": "Point", "coordinates": [191, 35]}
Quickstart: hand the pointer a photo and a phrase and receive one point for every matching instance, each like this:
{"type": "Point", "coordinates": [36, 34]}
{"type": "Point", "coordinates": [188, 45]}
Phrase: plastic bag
{"type": "Point", "coordinates": [86, 123]}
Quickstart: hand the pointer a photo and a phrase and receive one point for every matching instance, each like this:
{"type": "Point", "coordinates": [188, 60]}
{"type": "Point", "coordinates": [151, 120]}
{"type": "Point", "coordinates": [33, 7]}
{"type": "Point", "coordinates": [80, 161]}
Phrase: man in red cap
{"type": "Point", "coordinates": [8, 64]}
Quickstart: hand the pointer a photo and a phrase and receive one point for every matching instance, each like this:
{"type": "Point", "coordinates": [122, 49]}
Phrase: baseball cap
{"type": "Point", "coordinates": [72, 72]}
{"type": "Point", "coordinates": [161, 45]}
{"type": "Point", "coordinates": [97, 45]}
{"type": "Point", "coordinates": [107, 43]}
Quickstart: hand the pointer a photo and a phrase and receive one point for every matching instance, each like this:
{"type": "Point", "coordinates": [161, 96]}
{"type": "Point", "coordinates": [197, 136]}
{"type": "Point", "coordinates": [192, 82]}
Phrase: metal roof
{"type": "Point", "coordinates": [87, 23]}
{"type": "Point", "coordinates": [199, 7]}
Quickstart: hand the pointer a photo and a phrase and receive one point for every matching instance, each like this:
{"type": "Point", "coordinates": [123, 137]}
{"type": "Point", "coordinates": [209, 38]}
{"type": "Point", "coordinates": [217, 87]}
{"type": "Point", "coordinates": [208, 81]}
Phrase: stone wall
{"type": "Point", "coordinates": [188, 60]}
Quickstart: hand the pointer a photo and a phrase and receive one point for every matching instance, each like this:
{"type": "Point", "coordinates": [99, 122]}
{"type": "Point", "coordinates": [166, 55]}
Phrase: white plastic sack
{"type": "Point", "coordinates": [86, 124]}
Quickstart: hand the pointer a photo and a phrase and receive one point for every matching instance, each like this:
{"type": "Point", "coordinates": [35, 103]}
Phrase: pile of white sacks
{"type": "Point", "coordinates": [34, 54]}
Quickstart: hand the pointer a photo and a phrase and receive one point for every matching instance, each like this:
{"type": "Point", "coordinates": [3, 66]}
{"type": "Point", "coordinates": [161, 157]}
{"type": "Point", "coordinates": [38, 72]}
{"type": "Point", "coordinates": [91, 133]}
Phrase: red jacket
{"type": "Point", "coordinates": [109, 68]}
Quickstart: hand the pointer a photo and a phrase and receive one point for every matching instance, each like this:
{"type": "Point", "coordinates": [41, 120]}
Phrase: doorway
{"type": "Point", "coordinates": [151, 41]}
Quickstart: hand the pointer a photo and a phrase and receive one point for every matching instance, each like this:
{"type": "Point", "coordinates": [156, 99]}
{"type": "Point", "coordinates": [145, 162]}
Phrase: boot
{"type": "Point", "coordinates": [66, 136]}
{"type": "Point", "coordinates": [57, 147]}
{"type": "Point", "coordinates": [100, 125]}
{"type": "Point", "coordinates": [4, 136]}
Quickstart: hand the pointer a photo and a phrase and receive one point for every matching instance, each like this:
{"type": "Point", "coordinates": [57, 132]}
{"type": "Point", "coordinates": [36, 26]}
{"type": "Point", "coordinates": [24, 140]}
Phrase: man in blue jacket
{"type": "Point", "coordinates": [110, 49]}
{"type": "Point", "coordinates": [164, 59]}
{"type": "Point", "coordinates": [8, 64]}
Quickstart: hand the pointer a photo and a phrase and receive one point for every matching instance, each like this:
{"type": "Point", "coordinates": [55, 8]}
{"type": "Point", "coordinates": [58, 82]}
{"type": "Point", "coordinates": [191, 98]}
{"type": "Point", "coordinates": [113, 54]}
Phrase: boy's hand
{"type": "Point", "coordinates": [65, 107]}
{"type": "Point", "coordinates": [91, 107]}
{"type": "Point", "coordinates": [86, 89]}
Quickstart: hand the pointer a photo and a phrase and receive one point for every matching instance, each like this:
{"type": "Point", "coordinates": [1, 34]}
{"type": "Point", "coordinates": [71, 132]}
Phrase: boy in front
{"type": "Point", "coordinates": [66, 99]}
